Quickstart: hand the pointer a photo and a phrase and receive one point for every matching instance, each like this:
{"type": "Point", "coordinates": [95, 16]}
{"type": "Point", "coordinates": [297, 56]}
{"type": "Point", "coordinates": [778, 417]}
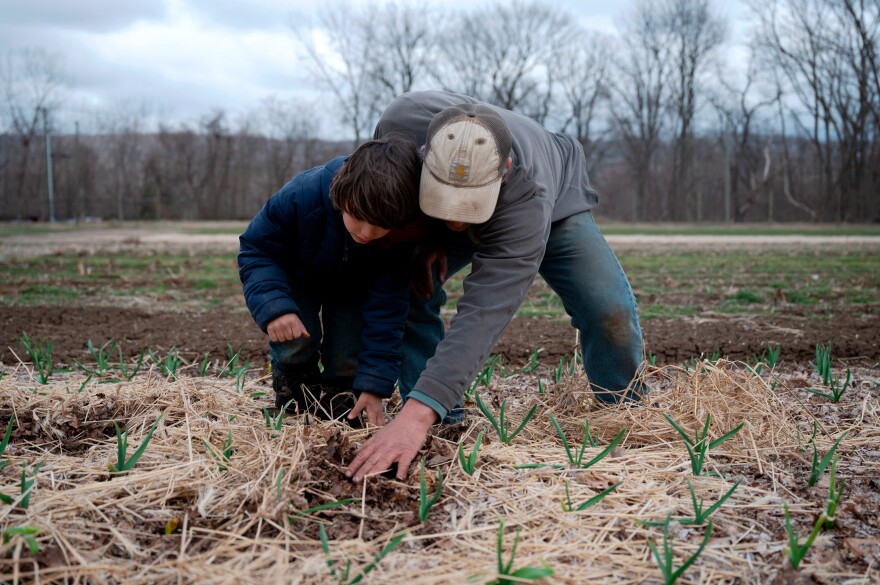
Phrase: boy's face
{"type": "Point", "coordinates": [361, 231]}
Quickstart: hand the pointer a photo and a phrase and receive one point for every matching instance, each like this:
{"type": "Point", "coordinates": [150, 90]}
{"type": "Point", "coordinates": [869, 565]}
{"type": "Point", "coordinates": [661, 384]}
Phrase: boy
{"type": "Point", "coordinates": [325, 270]}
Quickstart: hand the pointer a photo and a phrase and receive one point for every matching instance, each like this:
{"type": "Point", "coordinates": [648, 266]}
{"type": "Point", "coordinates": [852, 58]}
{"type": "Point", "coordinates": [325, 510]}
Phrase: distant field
{"type": "Point", "coordinates": [8, 230]}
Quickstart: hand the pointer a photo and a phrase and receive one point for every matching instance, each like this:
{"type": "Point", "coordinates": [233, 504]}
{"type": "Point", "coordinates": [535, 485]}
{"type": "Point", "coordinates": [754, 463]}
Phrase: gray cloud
{"type": "Point", "coordinates": [86, 15]}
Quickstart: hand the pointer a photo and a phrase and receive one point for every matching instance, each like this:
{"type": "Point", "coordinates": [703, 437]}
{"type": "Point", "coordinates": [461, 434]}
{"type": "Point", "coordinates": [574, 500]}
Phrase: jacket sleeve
{"type": "Point", "coordinates": [511, 247]}
{"type": "Point", "coordinates": [384, 315]}
{"type": "Point", "coordinates": [265, 246]}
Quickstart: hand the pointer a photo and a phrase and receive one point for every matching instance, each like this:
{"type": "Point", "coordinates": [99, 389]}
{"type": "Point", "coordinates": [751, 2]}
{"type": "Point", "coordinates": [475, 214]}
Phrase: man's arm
{"type": "Point", "coordinates": [397, 442]}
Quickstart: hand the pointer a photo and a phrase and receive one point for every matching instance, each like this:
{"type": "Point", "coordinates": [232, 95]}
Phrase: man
{"type": "Point", "coordinates": [516, 200]}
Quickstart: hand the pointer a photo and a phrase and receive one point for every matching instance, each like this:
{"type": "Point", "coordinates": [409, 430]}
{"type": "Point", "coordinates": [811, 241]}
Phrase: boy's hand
{"type": "Point", "coordinates": [286, 327]}
{"type": "Point", "coordinates": [397, 442]}
{"type": "Point", "coordinates": [372, 405]}
{"type": "Point", "coordinates": [423, 278]}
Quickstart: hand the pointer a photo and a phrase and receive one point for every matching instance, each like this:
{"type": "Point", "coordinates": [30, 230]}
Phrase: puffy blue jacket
{"type": "Point", "coordinates": [298, 237]}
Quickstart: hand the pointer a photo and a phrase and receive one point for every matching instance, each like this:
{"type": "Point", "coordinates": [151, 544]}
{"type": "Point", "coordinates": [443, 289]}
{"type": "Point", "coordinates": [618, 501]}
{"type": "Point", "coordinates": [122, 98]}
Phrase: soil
{"type": "Point", "coordinates": [855, 337]}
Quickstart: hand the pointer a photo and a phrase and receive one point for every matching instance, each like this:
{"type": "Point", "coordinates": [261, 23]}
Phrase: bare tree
{"type": "Point", "coordinates": [506, 54]}
{"type": "Point", "coordinates": [124, 130]}
{"type": "Point", "coordinates": [695, 32]}
{"type": "Point", "coordinates": [639, 93]}
{"type": "Point", "coordinates": [747, 166]}
{"type": "Point", "coordinates": [583, 82]}
{"type": "Point", "coordinates": [342, 54]}
{"type": "Point", "coordinates": [404, 46]}
{"type": "Point", "coordinates": [825, 53]}
{"type": "Point", "coordinates": [32, 80]}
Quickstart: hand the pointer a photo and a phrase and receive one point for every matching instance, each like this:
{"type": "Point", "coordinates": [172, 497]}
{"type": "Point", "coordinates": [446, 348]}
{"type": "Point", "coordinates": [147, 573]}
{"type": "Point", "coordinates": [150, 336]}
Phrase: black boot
{"type": "Point", "coordinates": [292, 388]}
{"type": "Point", "coordinates": [336, 399]}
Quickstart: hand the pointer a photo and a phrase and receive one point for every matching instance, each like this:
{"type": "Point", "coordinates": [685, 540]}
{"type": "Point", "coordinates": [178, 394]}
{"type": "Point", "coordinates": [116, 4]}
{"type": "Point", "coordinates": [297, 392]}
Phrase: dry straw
{"type": "Point", "coordinates": [233, 526]}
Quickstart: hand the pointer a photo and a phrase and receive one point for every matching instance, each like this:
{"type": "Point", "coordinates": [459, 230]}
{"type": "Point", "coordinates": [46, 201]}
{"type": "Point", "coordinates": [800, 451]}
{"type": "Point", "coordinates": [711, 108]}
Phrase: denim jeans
{"type": "Point", "coordinates": [581, 268]}
{"type": "Point", "coordinates": [334, 321]}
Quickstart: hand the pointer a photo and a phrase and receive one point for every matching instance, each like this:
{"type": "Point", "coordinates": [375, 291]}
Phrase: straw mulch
{"type": "Point", "coordinates": [178, 518]}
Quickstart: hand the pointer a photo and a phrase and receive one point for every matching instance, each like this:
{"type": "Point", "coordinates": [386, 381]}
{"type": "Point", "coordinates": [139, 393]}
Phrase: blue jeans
{"type": "Point", "coordinates": [334, 321]}
{"type": "Point", "coordinates": [581, 268]}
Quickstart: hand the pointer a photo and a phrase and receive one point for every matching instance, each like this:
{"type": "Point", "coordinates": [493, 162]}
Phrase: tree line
{"type": "Point", "coordinates": [678, 123]}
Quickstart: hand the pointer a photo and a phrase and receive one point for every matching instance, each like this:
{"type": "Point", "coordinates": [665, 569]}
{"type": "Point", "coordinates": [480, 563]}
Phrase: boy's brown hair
{"type": "Point", "coordinates": [379, 182]}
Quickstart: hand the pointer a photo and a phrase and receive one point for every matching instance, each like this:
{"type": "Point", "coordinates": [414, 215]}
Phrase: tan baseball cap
{"type": "Point", "coordinates": [465, 156]}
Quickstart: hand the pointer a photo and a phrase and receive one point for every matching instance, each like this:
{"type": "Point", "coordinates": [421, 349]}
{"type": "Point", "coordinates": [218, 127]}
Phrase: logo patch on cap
{"type": "Point", "coordinates": [459, 171]}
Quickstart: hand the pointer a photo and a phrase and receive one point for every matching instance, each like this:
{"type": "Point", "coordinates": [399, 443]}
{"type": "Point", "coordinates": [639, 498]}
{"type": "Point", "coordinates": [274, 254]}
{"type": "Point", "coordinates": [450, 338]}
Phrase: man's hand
{"type": "Point", "coordinates": [423, 279]}
{"type": "Point", "coordinates": [286, 327]}
{"type": "Point", "coordinates": [397, 442]}
{"type": "Point", "coordinates": [372, 405]}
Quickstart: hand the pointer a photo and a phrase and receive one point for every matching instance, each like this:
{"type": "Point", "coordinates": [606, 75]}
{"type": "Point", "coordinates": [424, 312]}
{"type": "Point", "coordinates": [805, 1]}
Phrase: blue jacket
{"type": "Point", "coordinates": [298, 237]}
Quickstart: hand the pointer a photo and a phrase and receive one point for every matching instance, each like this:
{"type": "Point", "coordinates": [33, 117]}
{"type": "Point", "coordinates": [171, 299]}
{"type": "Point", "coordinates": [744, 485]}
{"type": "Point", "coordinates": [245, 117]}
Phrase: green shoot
{"type": "Point", "coordinates": [278, 482]}
{"type": "Point", "coordinates": [576, 458]}
{"type": "Point", "coordinates": [665, 563]}
{"type": "Point", "coordinates": [322, 507]}
{"type": "Point", "coordinates": [101, 356]}
{"type": "Point", "coordinates": [835, 492]}
{"type": "Point", "coordinates": [772, 356]}
{"type": "Point", "coordinates": [225, 455]}
{"type": "Point", "coordinates": [652, 359]}
{"type": "Point", "coordinates": [342, 576]}
{"type": "Point", "coordinates": [485, 376]}
{"type": "Point", "coordinates": [699, 445]}
{"type": "Point", "coordinates": [822, 364]}
{"type": "Point", "coordinates": [85, 383]}
{"type": "Point", "coordinates": [125, 369]}
{"type": "Point", "coordinates": [701, 515]}
{"type": "Point", "coordinates": [834, 386]}
{"type": "Point", "coordinates": [273, 423]}
{"type": "Point", "coordinates": [25, 487]}
{"type": "Point", "coordinates": [795, 551]}
{"type": "Point", "coordinates": [573, 363]}
{"type": "Point", "coordinates": [803, 447]}
{"type": "Point", "coordinates": [169, 365]}
{"type": "Point", "coordinates": [567, 506]}
{"type": "Point", "coordinates": [537, 466]}
{"type": "Point", "coordinates": [425, 502]}
{"type": "Point", "coordinates": [506, 574]}
{"type": "Point", "coordinates": [559, 371]}
{"type": "Point", "coordinates": [467, 463]}
{"type": "Point", "coordinates": [818, 465]}
{"type": "Point", "coordinates": [124, 465]}
{"type": "Point", "coordinates": [40, 352]}
{"type": "Point", "coordinates": [533, 360]}
{"type": "Point", "coordinates": [27, 534]}
{"type": "Point", "coordinates": [5, 441]}
{"type": "Point", "coordinates": [2, 373]}
{"type": "Point", "coordinates": [542, 390]}
{"type": "Point", "coordinates": [203, 365]}
{"type": "Point", "coordinates": [502, 425]}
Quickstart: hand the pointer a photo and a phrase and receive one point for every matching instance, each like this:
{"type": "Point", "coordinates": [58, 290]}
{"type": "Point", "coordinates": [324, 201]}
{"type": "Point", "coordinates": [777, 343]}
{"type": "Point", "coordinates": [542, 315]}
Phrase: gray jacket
{"type": "Point", "coordinates": [547, 182]}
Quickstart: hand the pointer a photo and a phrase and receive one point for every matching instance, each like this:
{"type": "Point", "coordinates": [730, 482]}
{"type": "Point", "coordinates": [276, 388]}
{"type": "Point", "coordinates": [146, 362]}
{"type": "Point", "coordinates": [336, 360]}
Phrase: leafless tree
{"type": "Point", "coordinates": [32, 80]}
{"type": "Point", "coordinates": [639, 91]}
{"type": "Point", "coordinates": [825, 53]}
{"type": "Point", "coordinates": [695, 32]}
{"type": "Point", "coordinates": [747, 164]}
{"type": "Point", "coordinates": [505, 54]}
{"type": "Point", "coordinates": [342, 53]}
{"type": "Point", "coordinates": [583, 82]}
{"type": "Point", "coordinates": [124, 128]}
{"type": "Point", "coordinates": [404, 39]}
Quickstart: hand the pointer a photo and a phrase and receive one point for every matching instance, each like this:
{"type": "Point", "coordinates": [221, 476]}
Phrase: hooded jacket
{"type": "Point", "coordinates": [299, 239]}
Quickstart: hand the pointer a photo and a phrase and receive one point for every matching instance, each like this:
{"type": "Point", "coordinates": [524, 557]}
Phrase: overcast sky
{"type": "Point", "coordinates": [184, 58]}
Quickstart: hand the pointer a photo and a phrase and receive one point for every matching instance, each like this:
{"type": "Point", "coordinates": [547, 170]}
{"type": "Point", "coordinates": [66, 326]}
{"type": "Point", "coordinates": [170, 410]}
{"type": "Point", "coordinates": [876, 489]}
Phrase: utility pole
{"type": "Point", "coordinates": [49, 165]}
{"type": "Point", "coordinates": [79, 210]}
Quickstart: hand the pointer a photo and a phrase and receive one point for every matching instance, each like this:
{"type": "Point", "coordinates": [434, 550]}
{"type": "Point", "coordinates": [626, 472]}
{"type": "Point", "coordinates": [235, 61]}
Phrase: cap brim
{"type": "Point", "coordinates": [450, 203]}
